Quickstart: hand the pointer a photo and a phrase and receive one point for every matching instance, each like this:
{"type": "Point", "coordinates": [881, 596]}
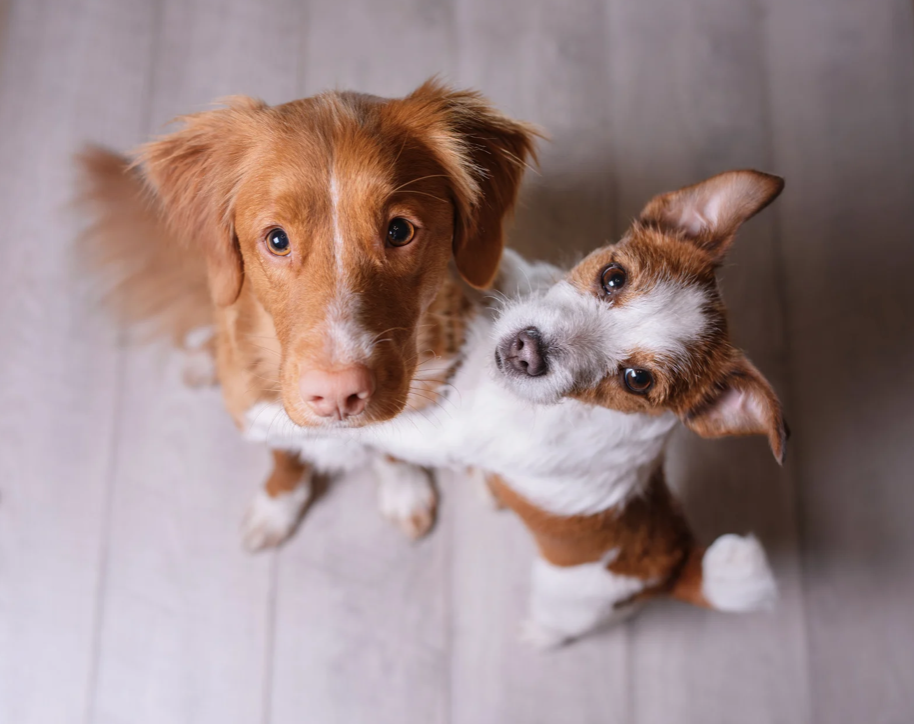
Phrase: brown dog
{"type": "Point", "coordinates": [317, 237]}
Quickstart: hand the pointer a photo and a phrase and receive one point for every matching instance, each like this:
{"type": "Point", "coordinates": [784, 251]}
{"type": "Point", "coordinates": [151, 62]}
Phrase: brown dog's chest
{"type": "Point", "coordinates": [649, 533]}
{"type": "Point", "coordinates": [442, 333]}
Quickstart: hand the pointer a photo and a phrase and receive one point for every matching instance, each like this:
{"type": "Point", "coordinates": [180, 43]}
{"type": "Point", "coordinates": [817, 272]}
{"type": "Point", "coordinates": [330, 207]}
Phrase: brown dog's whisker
{"type": "Point", "coordinates": [390, 329]}
{"type": "Point", "coordinates": [420, 193]}
{"type": "Point", "coordinates": [417, 180]}
{"type": "Point", "coordinates": [266, 349]}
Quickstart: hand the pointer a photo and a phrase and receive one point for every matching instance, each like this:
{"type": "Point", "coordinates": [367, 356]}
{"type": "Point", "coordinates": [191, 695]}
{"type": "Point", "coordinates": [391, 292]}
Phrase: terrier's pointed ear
{"type": "Point", "coordinates": [743, 404]}
{"type": "Point", "coordinates": [193, 173]}
{"type": "Point", "coordinates": [709, 213]}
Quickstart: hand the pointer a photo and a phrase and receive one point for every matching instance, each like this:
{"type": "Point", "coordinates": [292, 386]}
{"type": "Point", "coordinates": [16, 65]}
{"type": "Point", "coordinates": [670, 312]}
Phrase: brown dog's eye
{"type": "Point", "coordinates": [637, 380]}
{"type": "Point", "coordinates": [278, 241]}
{"type": "Point", "coordinates": [612, 279]}
{"type": "Point", "coordinates": [400, 232]}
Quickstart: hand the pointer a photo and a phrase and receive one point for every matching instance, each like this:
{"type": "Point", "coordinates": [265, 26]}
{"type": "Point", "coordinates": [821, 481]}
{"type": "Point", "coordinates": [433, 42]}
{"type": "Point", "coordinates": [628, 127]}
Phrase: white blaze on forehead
{"type": "Point", "coordinates": [346, 342]}
{"type": "Point", "coordinates": [338, 243]}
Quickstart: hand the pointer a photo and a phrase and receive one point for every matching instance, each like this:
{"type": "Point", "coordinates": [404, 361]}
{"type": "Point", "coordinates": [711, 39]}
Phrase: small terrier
{"type": "Point", "coordinates": [567, 400]}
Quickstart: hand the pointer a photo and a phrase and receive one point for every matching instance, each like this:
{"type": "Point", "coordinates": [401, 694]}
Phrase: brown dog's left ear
{"type": "Point", "coordinates": [709, 213]}
{"type": "Point", "coordinates": [485, 153]}
{"type": "Point", "coordinates": [745, 404]}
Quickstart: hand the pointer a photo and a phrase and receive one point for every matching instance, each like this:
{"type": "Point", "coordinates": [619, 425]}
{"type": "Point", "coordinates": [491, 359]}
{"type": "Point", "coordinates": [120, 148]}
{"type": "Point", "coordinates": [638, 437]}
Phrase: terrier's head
{"type": "Point", "coordinates": [640, 326]}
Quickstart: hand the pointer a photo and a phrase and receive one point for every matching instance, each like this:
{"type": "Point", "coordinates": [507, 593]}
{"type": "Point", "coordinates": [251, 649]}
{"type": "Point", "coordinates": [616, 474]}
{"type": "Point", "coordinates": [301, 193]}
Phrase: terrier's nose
{"type": "Point", "coordinates": [338, 393]}
{"type": "Point", "coordinates": [525, 354]}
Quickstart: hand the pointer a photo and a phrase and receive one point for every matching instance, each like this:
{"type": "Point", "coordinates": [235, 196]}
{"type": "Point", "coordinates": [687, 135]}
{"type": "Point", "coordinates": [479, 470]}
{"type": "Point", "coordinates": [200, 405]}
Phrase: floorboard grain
{"type": "Point", "coordinates": [59, 367]}
{"type": "Point", "coordinates": [188, 615]}
{"type": "Point", "coordinates": [842, 98]}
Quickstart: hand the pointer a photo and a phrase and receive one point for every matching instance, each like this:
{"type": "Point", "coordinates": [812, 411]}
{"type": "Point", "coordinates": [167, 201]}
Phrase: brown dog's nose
{"type": "Point", "coordinates": [338, 394]}
{"type": "Point", "coordinates": [525, 354]}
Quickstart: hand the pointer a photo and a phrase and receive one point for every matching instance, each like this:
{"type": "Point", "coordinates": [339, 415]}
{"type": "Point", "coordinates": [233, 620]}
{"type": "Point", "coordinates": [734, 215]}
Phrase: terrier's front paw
{"type": "Point", "coordinates": [541, 637]}
{"type": "Point", "coordinates": [407, 497]}
{"type": "Point", "coordinates": [269, 521]}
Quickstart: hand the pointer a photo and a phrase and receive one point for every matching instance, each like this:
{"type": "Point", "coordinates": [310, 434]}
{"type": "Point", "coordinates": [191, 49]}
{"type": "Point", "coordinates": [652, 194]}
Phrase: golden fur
{"type": "Point", "coordinates": [179, 233]}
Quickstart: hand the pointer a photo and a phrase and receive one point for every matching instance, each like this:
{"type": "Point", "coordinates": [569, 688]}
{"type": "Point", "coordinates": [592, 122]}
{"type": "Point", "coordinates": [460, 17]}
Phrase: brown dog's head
{"type": "Point", "coordinates": [640, 326]}
{"type": "Point", "coordinates": [339, 214]}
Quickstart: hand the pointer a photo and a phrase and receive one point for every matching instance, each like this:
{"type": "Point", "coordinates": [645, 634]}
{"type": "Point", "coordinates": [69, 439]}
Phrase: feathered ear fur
{"type": "Point", "coordinates": [744, 404]}
{"type": "Point", "coordinates": [485, 154]}
{"type": "Point", "coordinates": [709, 213]}
{"type": "Point", "coordinates": [194, 173]}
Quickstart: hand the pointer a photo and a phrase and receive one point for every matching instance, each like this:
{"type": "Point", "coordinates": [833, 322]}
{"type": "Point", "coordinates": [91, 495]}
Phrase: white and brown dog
{"type": "Point", "coordinates": [590, 375]}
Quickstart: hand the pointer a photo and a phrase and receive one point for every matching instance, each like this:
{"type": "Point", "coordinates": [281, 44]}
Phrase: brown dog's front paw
{"type": "Point", "coordinates": [269, 520]}
{"type": "Point", "coordinates": [407, 497]}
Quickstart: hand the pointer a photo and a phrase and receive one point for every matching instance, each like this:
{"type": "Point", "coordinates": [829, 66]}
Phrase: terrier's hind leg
{"type": "Point", "coordinates": [570, 601]}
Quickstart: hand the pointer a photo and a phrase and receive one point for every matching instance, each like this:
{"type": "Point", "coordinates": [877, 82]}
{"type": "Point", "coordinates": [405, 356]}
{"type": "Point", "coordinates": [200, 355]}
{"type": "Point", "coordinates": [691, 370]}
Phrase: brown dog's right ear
{"type": "Point", "coordinates": [193, 173]}
{"type": "Point", "coordinates": [485, 154]}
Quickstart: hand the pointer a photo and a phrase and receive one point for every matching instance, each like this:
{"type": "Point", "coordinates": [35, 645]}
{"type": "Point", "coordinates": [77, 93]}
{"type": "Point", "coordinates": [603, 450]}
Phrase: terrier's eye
{"type": "Point", "coordinates": [400, 232]}
{"type": "Point", "coordinates": [278, 242]}
{"type": "Point", "coordinates": [637, 380]}
{"type": "Point", "coordinates": [612, 279]}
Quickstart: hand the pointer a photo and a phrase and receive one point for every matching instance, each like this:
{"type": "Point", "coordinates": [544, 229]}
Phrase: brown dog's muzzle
{"type": "Point", "coordinates": [368, 384]}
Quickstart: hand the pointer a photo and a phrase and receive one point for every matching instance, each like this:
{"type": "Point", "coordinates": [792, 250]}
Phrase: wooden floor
{"type": "Point", "coordinates": [124, 594]}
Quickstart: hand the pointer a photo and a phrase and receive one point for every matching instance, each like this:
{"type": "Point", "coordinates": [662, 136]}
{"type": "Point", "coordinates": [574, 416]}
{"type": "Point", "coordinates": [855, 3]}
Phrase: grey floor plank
{"type": "Point", "coordinates": [689, 101]}
{"type": "Point", "coordinates": [187, 619]}
{"type": "Point", "coordinates": [387, 49]}
{"type": "Point", "coordinates": [842, 96]}
{"type": "Point", "coordinates": [187, 615]}
{"type": "Point", "coordinates": [210, 49]}
{"type": "Point", "coordinates": [362, 617]}
{"type": "Point", "coordinates": [358, 608]}
{"type": "Point", "coordinates": [542, 62]}
{"type": "Point", "coordinates": [4, 24]}
{"type": "Point", "coordinates": [546, 64]}
{"type": "Point", "coordinates": [59, 365]}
